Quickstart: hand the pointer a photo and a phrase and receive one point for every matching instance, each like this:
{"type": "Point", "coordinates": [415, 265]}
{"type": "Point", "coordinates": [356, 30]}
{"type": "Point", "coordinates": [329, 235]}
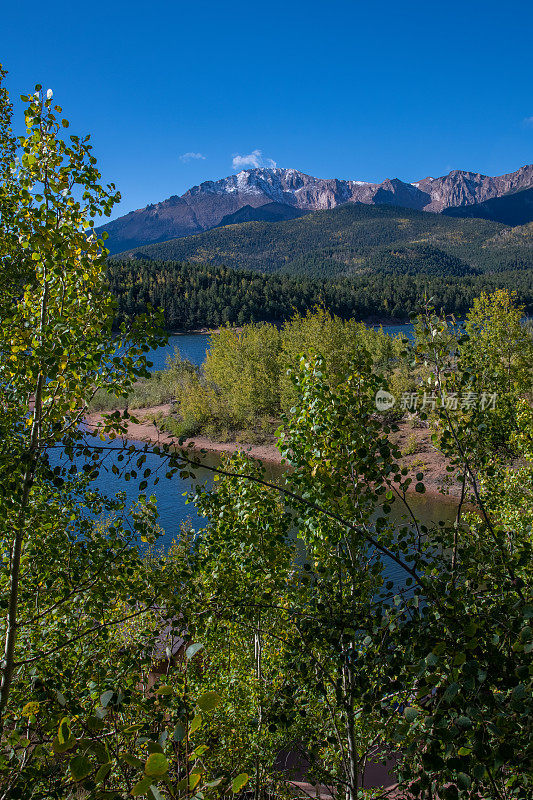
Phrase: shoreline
{"type": "Point", "coordinates": [371, 322]}
{"type": "Point", "coordinates": [145, 431]}
{"type": "Point", "coordinates": [203, 330]}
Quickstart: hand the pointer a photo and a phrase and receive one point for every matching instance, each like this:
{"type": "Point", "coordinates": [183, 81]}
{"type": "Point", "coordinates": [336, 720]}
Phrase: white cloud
{"type": "Point", "coordinates": [254, 159]}
{"type": "Point", "coordinates": [528, 122]}
{"type": "Point", "coordinates": [189, 156]}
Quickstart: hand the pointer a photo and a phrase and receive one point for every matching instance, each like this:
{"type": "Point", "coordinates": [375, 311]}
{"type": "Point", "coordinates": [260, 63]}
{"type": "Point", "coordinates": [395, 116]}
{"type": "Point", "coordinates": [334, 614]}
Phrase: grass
{"type": "Point", "coordinates": [411, 445]}
{"type": "Point", "coordinates": [418, 463]}
{"type": "Point", "coordinates": [260, 431]}
{"type": "Point", "coordinates": [162, 387]}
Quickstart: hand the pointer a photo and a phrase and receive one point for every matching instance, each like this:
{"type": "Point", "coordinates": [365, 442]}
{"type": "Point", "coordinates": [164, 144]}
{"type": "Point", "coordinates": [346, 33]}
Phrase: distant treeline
{"type": "Point", "coordinates": [193, 295]}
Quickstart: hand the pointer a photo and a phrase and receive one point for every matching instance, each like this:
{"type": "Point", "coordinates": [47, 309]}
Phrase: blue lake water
{"type": "Point", "coordinates": [171, 493]}
{"type": "Point", "coordinates": [192, 347]}
{"type": "Point", "coordinates": [174, 511]}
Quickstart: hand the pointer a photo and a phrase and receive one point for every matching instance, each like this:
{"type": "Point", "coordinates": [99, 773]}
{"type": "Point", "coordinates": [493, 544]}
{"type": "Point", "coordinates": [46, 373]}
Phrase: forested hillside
{"type": "Point", "coordinates": [193, 295]}
{"type": "Point", "coordinates": [354, 239]}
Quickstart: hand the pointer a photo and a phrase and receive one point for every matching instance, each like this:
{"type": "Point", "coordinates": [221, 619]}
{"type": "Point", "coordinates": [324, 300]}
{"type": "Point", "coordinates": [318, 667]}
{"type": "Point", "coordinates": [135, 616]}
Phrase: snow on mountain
{"type": "Point", "coordinates": [203, 207]}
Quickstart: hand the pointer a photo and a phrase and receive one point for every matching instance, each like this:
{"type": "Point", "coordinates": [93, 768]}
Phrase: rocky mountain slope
{"type": "Point", "coordinates": [515, 208]}
{"type": "Point", "coordinates": [203, 207]}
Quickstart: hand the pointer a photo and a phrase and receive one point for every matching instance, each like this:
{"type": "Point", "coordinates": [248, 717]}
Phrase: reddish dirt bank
{"type": "Point", "coordinates": [146, 431]}
{"type": "Point", "coordinates": [420, 456]}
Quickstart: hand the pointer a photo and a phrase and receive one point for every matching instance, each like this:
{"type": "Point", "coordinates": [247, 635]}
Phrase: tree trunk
{"type": "Point", "coordinates": [352, 761]}
{"type": "Point", "coordinates": [258, 649]}
{"type": "Point", "coordinates": [16, 550]}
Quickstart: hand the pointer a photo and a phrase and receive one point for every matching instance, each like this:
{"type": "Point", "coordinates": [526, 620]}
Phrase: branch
{"type": "Point", "coordinates": [361, 531]}
{"type": "Point", "coordinates": [94, 629]}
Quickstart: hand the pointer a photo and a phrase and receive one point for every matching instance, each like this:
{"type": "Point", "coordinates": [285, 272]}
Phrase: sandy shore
{"type": "Point", "coordinates": [424, 457]}
{"type": "Point", "coordinates": [146, 431]}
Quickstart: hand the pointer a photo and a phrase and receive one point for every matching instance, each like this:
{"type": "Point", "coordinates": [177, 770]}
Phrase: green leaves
{"type": "Point", "coordinates": [463, 781]}
{"type": "Point", "coordinates": [105, 698]}
{"type": "Point", "coordinates": [63, 747]}
{"type": "Point", "coordinates": [192, 649]}
{"type": "Point", "coordinates": [315, 642]}
{"type": "Point", "coordinates": [133, 761]}
{"type": "Point", "coordinates": [411, 714]}
{"type": "Point", "coordinates": [239, 782]}
{"type": "Point", "coordinates": [102, 773]}
{"type": "Point", "coordinates": [95, 723]}
{"type": "Point", "coordinates": [142, 787]}
{"type": "Point", "coordinates": [451, 692]}
{"type": "Point", "coordinates": [64, 740]}
{"type": "Point", "coordinates": [156, 765]}
{"type": "Point", "coordinates": [80, 767]}
{"type": "Point", "coordinates": [64, 733]}
{"type": "Point", "coordinates": [208, 701]}
{"type": "Point", "coordinates": [196, 723]}
{"type": "Point", "coordinates": [198, 751]}
{"type": "Point", "coordinates": [179, 732]}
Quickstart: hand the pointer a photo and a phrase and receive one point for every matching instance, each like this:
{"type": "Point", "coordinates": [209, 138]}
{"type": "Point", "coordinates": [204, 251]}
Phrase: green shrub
{"type": "Point", "coordinates": [244, 366]}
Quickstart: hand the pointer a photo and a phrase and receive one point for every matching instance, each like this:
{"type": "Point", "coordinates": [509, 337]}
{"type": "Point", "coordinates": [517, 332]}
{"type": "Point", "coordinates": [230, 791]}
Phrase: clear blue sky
{"type": "Point", "coordinates": [336, 88]}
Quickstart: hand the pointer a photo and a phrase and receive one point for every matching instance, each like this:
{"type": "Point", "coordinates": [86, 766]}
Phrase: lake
{"type": "Point", "coordinates": [192, 347]}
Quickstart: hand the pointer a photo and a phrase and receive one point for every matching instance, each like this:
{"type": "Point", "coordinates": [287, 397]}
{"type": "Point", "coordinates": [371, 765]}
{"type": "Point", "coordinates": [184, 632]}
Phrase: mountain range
{"type": "Point", "coordinates": [276, 194]}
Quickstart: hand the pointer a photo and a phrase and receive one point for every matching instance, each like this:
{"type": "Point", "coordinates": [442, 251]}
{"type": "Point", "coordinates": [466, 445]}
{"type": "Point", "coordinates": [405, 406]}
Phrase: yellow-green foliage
{"type": "Point", "coordinates": [244, 382]}
{"type": "Point", "coordinates": [198, 401]}
{"type": "Point", "coordinates": [511, 499]}
{"type": "Point", "coordinates": [410, 446]}
{"type": "Point", "coordinates": [244, 366]}
{"type": "Point", "coordinates": [244, 379]}
{"type": "Point", "coordinates": [338, 341]}
{"type": "Point", "coordinates": [499, 348]}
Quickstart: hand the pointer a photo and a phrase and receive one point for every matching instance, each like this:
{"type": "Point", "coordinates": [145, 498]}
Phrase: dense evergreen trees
{"type": "Point", "coordinates": [358, 261]}
{"type": "Point", "coordinates": [193, 296]}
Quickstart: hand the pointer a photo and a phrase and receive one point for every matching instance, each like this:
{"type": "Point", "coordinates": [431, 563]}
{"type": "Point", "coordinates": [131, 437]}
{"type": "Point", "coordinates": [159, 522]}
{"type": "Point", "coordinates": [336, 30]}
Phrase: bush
{"type": "Point", "coordinates": [243, 387]}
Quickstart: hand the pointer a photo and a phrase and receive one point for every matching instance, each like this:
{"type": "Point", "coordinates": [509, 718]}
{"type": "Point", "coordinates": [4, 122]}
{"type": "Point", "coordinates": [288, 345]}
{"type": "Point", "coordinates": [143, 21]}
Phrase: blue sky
{"type": "Point", "coordinates": [348, 89]}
